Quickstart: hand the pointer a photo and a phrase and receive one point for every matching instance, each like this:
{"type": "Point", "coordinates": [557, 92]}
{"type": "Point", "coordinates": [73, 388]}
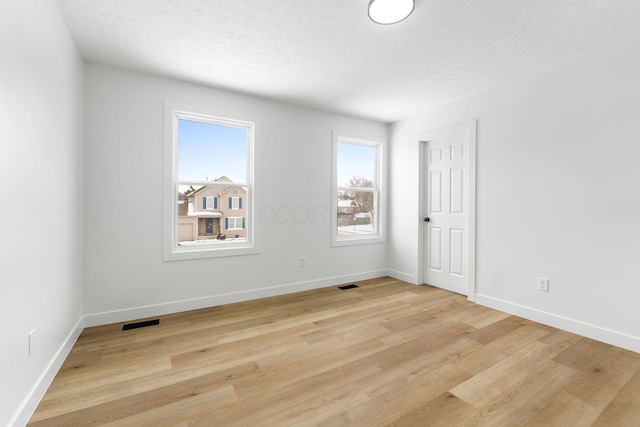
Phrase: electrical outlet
{"type": "Point", "coordinates": [543, 284]}
{"type": "Point", "coordinates": [32, 342]}
{"type": "Point", "coordinates": [303, 262]}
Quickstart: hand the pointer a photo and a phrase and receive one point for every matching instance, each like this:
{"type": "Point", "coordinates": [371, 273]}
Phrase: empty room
{"type": "Point", "coordinates": [320, 213]}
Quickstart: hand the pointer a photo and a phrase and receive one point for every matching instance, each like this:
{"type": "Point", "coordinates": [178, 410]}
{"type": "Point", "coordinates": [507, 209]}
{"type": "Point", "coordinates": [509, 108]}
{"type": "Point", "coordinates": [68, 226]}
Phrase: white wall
{"type": "Point", "coordinates": [41, 98]}
{"type": "Point", "coordinates": [558, 194]}
{"type": "Point", "coordinates": [124, 271]}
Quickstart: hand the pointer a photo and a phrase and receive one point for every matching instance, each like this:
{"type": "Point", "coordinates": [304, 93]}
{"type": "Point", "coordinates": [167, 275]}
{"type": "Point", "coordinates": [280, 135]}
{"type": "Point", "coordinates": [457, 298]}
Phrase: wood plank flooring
{"type": "Point", "coordinates": [385, 353]}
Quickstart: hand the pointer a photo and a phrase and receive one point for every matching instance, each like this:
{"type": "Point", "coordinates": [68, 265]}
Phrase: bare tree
{"type": "Point", "coordinates": [363, 200]}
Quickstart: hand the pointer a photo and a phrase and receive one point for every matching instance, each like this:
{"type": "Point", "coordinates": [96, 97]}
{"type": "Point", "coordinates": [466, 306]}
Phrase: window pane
{"type": "Point", "coordinates": [356, 165]}
{"type": "Point", "coordinates": [235, 223]}
{"type": "Point", "coordinates": [356, 213]}
{"type": "Point", "coordinates": [208, 152]}
{"type": "Point", "coordinates": [235, 203]}
{"type": "Point", "coordinates": [204, 216]}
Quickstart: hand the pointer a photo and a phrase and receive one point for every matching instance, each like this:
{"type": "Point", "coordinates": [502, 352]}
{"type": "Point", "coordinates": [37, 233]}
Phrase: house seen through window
{"type": "Point", "coordinates": [212, 184]}
{"type": "Point", "coordinates": [356, 191]}
{"type": "Point", "coordinates": [202, 220]}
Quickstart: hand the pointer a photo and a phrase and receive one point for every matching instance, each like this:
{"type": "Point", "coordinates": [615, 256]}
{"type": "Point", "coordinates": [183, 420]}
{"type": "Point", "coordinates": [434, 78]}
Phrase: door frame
{"type": "Point", "coordinates": [469, 129]}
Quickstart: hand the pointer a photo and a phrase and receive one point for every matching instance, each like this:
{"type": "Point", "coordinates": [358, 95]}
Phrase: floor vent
{"type": "Point", "coordinates": [140, 324]}
{"type": "Point", "coordinates": [345, 287]}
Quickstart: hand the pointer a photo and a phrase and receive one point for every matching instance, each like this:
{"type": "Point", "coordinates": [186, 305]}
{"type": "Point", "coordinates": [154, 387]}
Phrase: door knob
{"type": "Point", "coordinates": [427, 219]}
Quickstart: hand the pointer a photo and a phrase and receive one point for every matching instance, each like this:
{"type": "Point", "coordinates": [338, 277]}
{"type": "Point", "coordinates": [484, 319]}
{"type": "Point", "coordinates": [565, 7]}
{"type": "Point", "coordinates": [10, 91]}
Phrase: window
{"type": "Point", "coordinates": [235, 223]}
{"type": "Point", "coordinates": [209, 203]}
{"type": "Point", "coordinates": [357, 191]}
{"type": "Point", "coordinates": [235, 203]}
{"type": "Point", "coordinates": [209, 160]}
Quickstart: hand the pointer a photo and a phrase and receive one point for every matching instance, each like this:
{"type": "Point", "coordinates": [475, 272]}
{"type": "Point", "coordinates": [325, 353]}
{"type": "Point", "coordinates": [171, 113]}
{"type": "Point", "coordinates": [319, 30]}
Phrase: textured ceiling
{"type": "Point", "coordinates": [327, 54]}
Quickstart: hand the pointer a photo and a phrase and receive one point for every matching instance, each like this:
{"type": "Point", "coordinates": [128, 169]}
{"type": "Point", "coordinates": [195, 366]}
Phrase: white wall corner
{"type": "Point", "coordinates": [571, 325]}
{"type": "Point", "coordinates": [405, 277]}
{"type": "Point", "coordinates": [36, 394]}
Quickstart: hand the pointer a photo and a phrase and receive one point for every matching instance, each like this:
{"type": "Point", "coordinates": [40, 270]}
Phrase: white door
{"type": "Point", "coordinates": [449, 210]}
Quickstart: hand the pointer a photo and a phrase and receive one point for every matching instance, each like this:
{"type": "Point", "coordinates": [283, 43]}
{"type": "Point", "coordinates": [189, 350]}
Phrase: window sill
{"type": "Point", "coordinates": [187, 253]}
{"type": "Point", "coordinates": [351, 241]}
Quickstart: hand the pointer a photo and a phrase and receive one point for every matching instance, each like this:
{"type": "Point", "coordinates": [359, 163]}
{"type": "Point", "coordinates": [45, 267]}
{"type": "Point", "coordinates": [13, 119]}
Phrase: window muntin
{"type": "Point", "coordinates": [210, 158]}
{"type": "Point", "coordinates": [357, 191]}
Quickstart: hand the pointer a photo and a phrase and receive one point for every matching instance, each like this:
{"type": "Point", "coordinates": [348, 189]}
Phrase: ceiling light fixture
{"type": "Point", "coordinates": [387, 12]}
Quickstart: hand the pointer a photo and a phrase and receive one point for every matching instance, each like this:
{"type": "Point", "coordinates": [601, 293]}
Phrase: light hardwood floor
{"type": "Point", "coordinates": [386, 353]}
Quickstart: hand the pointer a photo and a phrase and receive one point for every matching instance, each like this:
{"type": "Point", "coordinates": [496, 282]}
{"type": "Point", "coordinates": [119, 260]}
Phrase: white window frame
{"type": "Point", "coordinates": [378, 190]}
{"type": "Point", "coordinates": [235, 222]}
{"type": "Point", "coordinates": [171, 251]}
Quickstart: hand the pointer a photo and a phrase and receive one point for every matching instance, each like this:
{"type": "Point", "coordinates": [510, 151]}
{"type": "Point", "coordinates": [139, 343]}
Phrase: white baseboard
{"type": "Point", "coordinates": [30, 404]}
{"type": "Point", "coordinates": [128, 314]}
{"type": "Point", "coordinates": [598, 333]}
{"type": "Point", "coordinates": [409, 278]}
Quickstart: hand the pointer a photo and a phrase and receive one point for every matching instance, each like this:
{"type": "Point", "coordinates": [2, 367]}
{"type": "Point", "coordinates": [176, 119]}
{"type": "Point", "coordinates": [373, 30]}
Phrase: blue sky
{"type": "Point", "coordinates": [207, 151]}
{"type": "Point", "coordinates": [355, 160]}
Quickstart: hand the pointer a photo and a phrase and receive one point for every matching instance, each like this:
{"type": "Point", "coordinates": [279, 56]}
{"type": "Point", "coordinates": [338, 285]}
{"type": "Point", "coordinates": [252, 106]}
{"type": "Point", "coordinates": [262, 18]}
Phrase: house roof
{"type": "Point", "coordinates": [193, 191]}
